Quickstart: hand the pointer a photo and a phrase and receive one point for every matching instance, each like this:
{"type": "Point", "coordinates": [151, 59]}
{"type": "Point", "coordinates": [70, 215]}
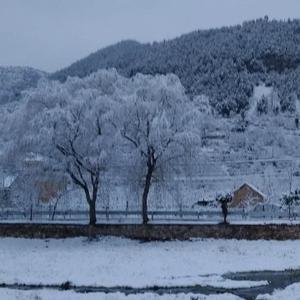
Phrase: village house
{"type": "Point", "coordinates": [247, 195]}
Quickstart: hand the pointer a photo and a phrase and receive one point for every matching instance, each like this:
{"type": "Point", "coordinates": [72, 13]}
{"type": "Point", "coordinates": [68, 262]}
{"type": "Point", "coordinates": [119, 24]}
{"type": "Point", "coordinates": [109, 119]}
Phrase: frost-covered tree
{"type": "Point", "coordinates": [223, 201]}
{"type": "Point", "coordinates": [24, 194]}
{"type": "Point", "coordinates": [68, 127]}
{"type": "Point", "coordinates": [82, 138]}
{"type": "Point", "coordinates": [14, 80]}
{"type": "Point", "coordinates": [262, 105]}
{"type": "Point", "coordinates": [290, 200]}
{"type": "Point", "coordinates": [159, 124]}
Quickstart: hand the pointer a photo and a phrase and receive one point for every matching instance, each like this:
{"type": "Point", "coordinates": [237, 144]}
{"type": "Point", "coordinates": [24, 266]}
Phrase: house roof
{"type": "Point", "coordinates": [253, 188]}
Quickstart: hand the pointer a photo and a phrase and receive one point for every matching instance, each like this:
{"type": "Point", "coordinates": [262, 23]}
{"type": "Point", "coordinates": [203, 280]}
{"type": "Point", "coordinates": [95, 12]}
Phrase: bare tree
{"type": "Point", "coordinates": [159, 122]}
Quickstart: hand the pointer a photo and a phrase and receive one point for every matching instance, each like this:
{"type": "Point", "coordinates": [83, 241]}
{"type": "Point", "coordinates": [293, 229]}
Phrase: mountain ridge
{"type": "Point", "coordinates": [223, 63]}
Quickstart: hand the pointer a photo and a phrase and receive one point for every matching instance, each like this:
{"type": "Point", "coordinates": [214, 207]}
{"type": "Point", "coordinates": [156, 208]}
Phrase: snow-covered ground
{"type": "Point", "coordinates": [117, 262]}
{"type": "Point", "coordinates": [113, 262]}
{"type": "Point", "coordinates": [69, 295]}
{"type": "Point", "coordinates": [292, 292]}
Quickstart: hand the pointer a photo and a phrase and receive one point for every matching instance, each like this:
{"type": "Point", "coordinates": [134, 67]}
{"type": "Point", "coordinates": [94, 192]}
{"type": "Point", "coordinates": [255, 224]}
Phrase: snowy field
{"type": "Point", "coordinates": [55, 295]}
{"type": "Point", "coordinates": [292, 292]}
{"type": "Point", "coordinates": [117, 262]}
{"type": "Point", "coordinates": [113, 261]}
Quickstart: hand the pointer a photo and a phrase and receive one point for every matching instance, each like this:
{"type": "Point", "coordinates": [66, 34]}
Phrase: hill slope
{"type": "Point", "coordinates": [224, 63]}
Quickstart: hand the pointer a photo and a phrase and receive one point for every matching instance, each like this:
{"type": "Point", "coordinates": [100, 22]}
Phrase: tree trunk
{"type": "Point", "coordinates": [92, 212]}
{"type": "Point", "coordinates": [225, 211]}
{"type": "Point", "coordinates": [91, 197]}
{"type": "Point", "coordinates": [92, 206]}
{"type": "Point", "coordinates": [145, 194]}
{"type": "Point", "coordinates": [225, 218]}
{"type": "Point", "coordinates": [31, 212]}
{"type": "Point", "coordinates": [54, 208]}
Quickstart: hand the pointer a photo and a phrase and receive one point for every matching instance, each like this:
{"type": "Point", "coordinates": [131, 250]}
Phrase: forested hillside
{"type": "Point", "coordinates": [224, 64]}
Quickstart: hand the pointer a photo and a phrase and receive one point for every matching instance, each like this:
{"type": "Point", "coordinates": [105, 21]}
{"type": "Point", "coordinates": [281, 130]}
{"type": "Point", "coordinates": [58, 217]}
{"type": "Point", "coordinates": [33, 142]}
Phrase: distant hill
{"type": "Point", "coordinates": [225, 64]}
{"type": "Point", "coordinates": [121, 55]}
{"type": "Point", "coordinates": [13, 80]}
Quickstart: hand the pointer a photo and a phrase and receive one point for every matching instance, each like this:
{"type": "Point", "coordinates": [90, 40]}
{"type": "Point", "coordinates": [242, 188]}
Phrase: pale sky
{"type": "Point", "coordinates": [51, 34]}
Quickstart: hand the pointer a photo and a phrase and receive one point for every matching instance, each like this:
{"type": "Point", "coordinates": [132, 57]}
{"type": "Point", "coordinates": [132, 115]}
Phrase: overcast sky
{"type": "Point", "coordinates": [51, 34]}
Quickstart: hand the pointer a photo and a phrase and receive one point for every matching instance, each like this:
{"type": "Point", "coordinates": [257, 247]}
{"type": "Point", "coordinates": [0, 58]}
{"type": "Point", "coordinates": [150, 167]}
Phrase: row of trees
{"type": "Point", "coordinates": [84, 126]}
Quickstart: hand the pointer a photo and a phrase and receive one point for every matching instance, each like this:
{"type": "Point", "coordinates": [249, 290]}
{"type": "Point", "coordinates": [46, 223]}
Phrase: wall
{"type": "Point", "coordinates": [153, 232]}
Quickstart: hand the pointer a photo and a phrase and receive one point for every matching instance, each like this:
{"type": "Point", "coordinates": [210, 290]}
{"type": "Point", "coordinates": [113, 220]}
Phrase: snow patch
{"type": "Point", "coordinates": [292, 292]}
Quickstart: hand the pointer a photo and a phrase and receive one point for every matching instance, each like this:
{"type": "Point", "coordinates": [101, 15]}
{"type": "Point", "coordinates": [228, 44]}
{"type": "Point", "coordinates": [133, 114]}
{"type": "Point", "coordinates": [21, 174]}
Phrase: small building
{"type": "Point", "coordinates": [50, 188]}
{"type": "Point", "coordinates": [247, 195]}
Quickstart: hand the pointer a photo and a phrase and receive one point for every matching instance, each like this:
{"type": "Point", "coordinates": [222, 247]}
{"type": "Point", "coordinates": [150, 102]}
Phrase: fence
{"type": "Point", "coordinates": [134, 216]}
